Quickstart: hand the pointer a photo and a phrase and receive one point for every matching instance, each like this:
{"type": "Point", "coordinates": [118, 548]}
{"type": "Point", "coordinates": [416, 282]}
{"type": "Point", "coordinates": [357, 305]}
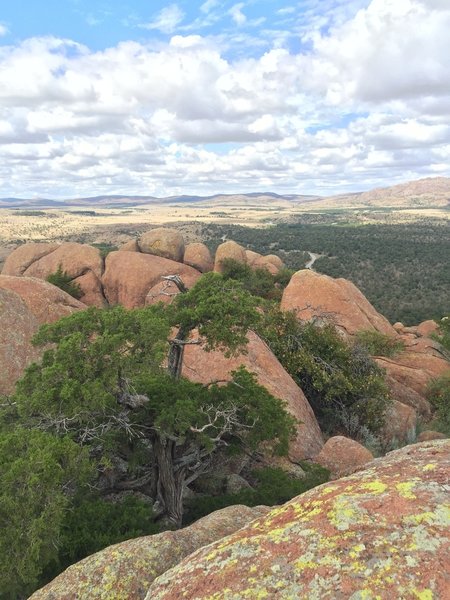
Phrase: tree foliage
{"type": "Point", "coordinates": [38, 473]}
{"type": "Point", "coordinates": [339, 379]}
{"type": "Point", "coordinates": [64, 281]}
{"type": "Point", "coordinates": [101, 383]}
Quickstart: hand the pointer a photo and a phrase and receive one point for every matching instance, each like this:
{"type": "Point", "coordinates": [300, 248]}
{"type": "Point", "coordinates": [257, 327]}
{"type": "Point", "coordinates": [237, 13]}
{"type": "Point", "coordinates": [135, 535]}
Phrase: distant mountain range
{"type": "Point", "coordinates": [422, 193]}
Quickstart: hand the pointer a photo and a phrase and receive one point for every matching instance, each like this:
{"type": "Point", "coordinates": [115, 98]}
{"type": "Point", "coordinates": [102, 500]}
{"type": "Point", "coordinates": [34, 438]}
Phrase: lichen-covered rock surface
{"type": "Point", "coordinates": [126, 570]}
{"type": "Point", "coordinates": [380, 533]}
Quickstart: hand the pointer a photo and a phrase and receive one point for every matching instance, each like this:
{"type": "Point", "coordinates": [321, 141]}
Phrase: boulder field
{"type": "Point", "coordinates": [134, 277]}
{"type": "Point", "coordinates": [126, 570]}
{"type": "Point", "coordinates": [380, 533]}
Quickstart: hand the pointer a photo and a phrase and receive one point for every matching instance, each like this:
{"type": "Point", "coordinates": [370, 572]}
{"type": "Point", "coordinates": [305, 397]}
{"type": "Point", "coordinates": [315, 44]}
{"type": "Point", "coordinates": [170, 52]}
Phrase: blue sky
{"type": "Point", "coordinates": [310, 96]}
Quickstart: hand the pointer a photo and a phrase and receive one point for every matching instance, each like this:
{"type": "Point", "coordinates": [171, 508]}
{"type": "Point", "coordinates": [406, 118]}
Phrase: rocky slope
{"type": "Point", "coordinates": [381, 533]}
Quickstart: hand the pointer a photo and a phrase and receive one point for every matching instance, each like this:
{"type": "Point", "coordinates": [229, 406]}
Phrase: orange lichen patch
{"type": "Point", "coordinates": [383, 532]}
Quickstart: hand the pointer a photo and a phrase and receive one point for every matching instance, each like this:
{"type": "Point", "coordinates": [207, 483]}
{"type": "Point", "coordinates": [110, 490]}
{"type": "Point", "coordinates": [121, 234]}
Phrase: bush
{"type": "Point", "coordinates": [64, 282]}
{"type": "Point", "coordinates": [439, 396]}
{"type": "Point", "coordinates": [444, 337]}
{"type": "Point", "coordinates": [378, 344]}
{"type": "Point", "coordinates": [339, 380]}
{"type": "Point", "coordinates": [259, 282]}
{"type": "Point", "coordinates": [93, 524]}
{"type": "Point", "coordinates": [272, 486]}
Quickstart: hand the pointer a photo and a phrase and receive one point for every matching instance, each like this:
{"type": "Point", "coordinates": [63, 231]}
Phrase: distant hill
{"type": "Point", "coordinates": [432, 192]}
{"type": "Point", "coordinates": [423, 193]}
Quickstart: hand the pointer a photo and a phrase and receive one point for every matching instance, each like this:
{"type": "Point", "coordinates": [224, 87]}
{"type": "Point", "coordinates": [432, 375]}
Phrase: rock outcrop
{"type": "Point", "coordinates": [197, 255]}
{"type": "Point", "coordinates": [339, 301]}
{"type": "Point", "coordinates": [17, 327]}
{"type": "Point", "coordinates": [129, 276]}
{"type": "Point", "coordinates": [44, 300]}
{"type": "Point", "coordinates": [226, 250]}
{"type": "Point", "coordinates": [82, 263]}
{"type": "Point", "coordinates": [271, 263]}
{"type": "Point", "coordinates": [163, 241]}
{"type": "Point", "coordinates": [380, 533]}
{"type": "Point", "coordinates": [25, 304]}
{"type": "Point", "coordinates": [205, 367]}
{"type": "Point", "coordinates": [343, 456]}
{"type": "Point", "coordinates": [125, 571]}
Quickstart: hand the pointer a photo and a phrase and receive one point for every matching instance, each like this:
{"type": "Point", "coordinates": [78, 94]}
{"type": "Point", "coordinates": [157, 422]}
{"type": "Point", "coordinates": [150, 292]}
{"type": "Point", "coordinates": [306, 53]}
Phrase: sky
{"type": "Point", "coordinates": [218, 96]}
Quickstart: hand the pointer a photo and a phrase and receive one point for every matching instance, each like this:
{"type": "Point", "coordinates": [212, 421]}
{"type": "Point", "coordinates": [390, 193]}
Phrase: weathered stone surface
{"type": "Point", "coordinates": [271, 263]}
{"type": "Point", "coordinates": [426, 328]}
{"type": "Point", "coordinates": [252, 257]}
{"type": "Point", "coordinates": [205, 367]}
{"type": "Point", "coordinates": [407, 395]}
{"type": "Point", "coordinates": [22, 257]}
{"type": "Point", "coordinates": [342, 456]}
{"type": "Point", "coordinates": [82, 263]}
{"type": "Point", "coordinates": [130, 246]}
{"type": "Point", "coordinates": [163, 241]}
{"type": "Point", "coordinates": [414, 370]}
{"type": "Point", "coordinates": [229, 249]}
{"type": "Point", "coordinates": [428, 435]}
{"type": "Point", "coordinates": [17, 326]}
{"type": "Point", "coordinates": [165, 291]}
{"type": "Point", "coordinates": [315, 296]}
{"type": "Point", "coordinates": [126, 570]}
{"type": "Point", "coordinates": [129, 276]}
{"type": "Point", "coordinates": [45, 301]}
{"type": "Point", "coordinates": [380, 533]}
{"type": "Point", "coordinates": [197, 255]}
{"type": "Point", "coordinates": [400, 424]}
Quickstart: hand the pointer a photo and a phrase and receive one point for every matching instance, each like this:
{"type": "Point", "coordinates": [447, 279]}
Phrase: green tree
{"type": "Point", "coordinates": [101, 383]}
{"type": "Point", "coordinates": [64, 281]}
{"type": "Point", "coordinates": [342, 383]}
{"type": "Point", "coordinates": [38, 472]}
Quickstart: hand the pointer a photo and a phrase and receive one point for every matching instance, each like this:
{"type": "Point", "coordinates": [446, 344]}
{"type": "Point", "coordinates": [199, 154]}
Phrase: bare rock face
{"type": "Point", "coordinates": [126, 570]}
{"type": "Point", "coordinates": [407, 395]}
{"type": "Point", "coordinates": [45, 301]}
{"type": "Point", "coordinates": [205, 367]}
{"type": "Point", "coordinates": [82, 263]}
{"type": "Point", "coordinates": [163, 241]}
{"type": "Point", "coordinates": [129, 276]}
{"type": "Point", "coordinates": [197, 255]}
{"type": "Point", "coordinates": [130, 246]}
{"type": "Point", "coordinates": [426, 328]}
{"type": "Point", "coordinates": [428, 435]}
{"type": "Point", "coordinates": [25, 304]}
{"type": "Point", "coordinates": [380, 533]}
{"type": "Point", "coordinates": [165, 291]}
{"type": "Point", "coordinates": [315, 296]}
{"type": "Point", "coordinates": [271, 263]}
{"type": "Point", "coordinates": [400, 425]}
{"type": "Point", "coordinates": [252, 257]}
{"type": "Point", "coordinates": [17, 326]}
{"type": "Point", "coordinates": [229, 249]}
{"type": "Point", "coordinates": [342, 456]}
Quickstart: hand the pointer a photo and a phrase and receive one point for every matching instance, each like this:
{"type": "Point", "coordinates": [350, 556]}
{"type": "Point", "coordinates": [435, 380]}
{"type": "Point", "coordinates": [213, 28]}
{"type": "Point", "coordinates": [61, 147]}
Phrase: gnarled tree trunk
{"type": "Point", "coordinates": [169, 481]}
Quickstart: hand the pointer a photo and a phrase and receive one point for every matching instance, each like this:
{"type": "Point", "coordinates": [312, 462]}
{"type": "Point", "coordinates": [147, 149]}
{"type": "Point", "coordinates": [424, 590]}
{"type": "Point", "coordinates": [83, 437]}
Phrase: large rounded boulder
{"type": "Point", "coordinates": [318, 297]}
{"type": "Point", "coordinates": [229, 249]}
{"type": "Point", "coordinates": [197, 255]}
{"type": "Point", "coordinates": [25, 304]}
{"type": "Point", "coordinates": [125, 571]}
{"type": "Point", "coordinates": [129, 277]}
{"type": "Point", "coordinates": [383, 532]}
{"type": "Point", "coordinates": [163, 241]}
{"type": "Point", "coordinates": [205, 367]}
{"type": "Point", "coordinates": [342, 456]}
{"type": "Point", "coordinates": [82, 263]}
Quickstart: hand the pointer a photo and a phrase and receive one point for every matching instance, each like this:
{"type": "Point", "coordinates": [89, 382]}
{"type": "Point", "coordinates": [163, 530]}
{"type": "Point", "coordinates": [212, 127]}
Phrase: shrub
{"type": "Point", "coordinates": [438, 394]}
{"type": "Point", "coordinates": [378, 344]}
{"type": "Point", "coordinates": [272, 486]}
{"type": "Point", "coordinates": [64, 282]}
{"type": "Point", "coordinates": [92, 524]}
{"type": "Point", "coordinates": [336, 377]}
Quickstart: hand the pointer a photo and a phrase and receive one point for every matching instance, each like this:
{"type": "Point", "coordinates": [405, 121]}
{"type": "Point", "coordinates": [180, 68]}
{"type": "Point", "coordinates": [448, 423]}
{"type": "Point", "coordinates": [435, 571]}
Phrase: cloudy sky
{"type": "Point", "coordinates": [156, 98]}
